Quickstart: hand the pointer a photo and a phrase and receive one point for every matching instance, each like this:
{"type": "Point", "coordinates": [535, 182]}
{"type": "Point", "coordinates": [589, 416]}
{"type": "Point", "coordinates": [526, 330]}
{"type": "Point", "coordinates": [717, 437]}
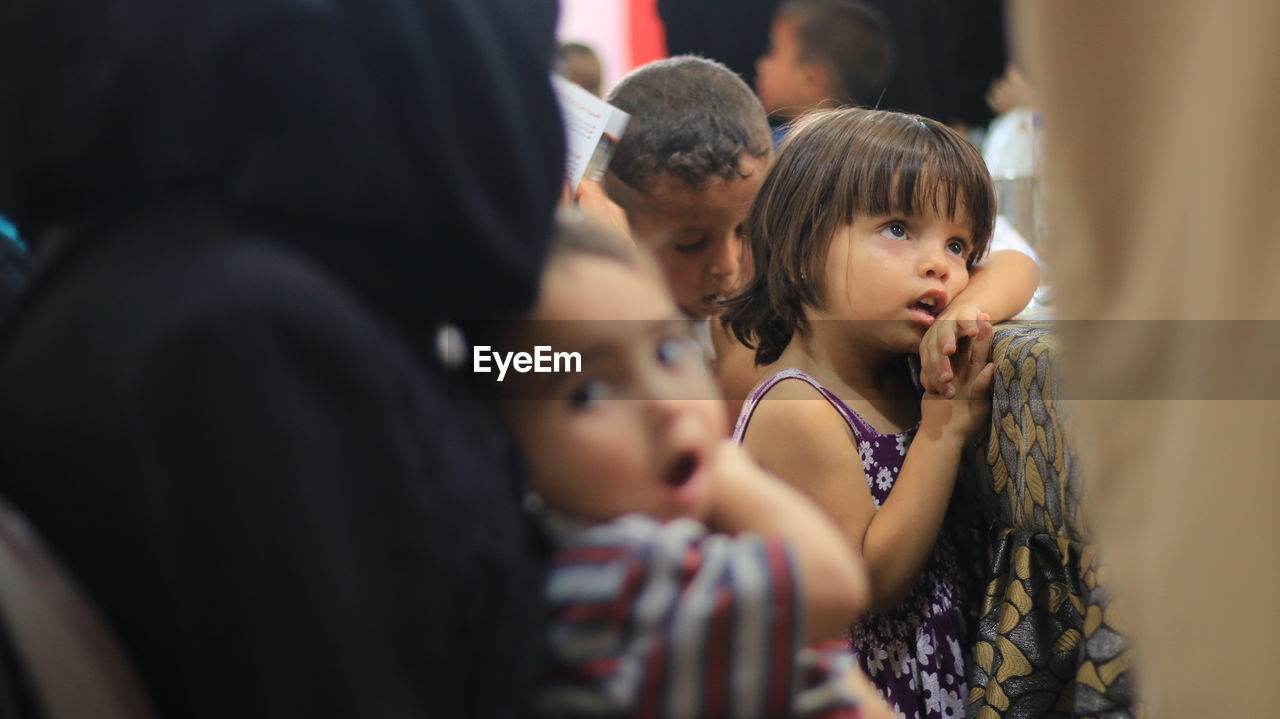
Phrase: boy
{"type": "Point", "coordinates": [694, 155]}
{"type": "Point", "coordinates": [823, 53]}
{"type": "Point", "coordinates": [686, 579]}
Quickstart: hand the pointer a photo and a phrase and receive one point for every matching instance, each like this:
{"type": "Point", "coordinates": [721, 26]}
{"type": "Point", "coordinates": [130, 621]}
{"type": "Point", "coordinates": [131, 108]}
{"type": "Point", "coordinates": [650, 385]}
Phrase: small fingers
{"type": "Point", "coordinates": [927, 384]}
{"type": "Point", "coordinates": [982, 384]}
{"type": "Point", "coordinates": [944, 336]}
{"type": "Point", "coordinates": [980, 346]}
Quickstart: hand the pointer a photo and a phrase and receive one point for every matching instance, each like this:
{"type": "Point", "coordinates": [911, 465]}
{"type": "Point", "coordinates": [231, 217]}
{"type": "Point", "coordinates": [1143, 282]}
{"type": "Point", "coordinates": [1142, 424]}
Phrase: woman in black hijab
{"type": "Point", "coordinates": [219, 399]}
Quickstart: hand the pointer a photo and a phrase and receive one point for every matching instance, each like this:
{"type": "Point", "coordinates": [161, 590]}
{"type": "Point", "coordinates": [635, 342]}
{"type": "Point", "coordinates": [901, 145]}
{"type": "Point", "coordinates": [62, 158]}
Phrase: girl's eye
{"type": "Point", "coordinates": [894, 231]}
{"type": "Point", "coordinates": [690, 248]}
{"type": "Point", "coordinates": [588, 394]}
{"type": "Point", "coordinates": [957, 247]}
{"type": "Point", "coordinates": [672, 350]}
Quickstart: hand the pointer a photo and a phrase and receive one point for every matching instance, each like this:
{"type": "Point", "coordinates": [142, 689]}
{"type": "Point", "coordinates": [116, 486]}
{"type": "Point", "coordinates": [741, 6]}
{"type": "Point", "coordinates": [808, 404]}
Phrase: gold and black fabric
{"type": "Point", "coordinates": [1046, 645]}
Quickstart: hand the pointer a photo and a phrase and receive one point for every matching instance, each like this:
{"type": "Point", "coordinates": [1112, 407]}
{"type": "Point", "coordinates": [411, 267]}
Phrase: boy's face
{"type": "Point", "coordinates": [635, 430]}
{"type": "Point", "coordinates": [788, 87]}
{"type": "Point", "coordinates": [695, 234]}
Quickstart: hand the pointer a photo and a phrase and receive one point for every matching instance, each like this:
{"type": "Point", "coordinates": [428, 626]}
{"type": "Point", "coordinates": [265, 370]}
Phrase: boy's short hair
{"type": "Point", "coordinates": [691, 117]}
{"type": "Point", "coordinates": [848, 38]}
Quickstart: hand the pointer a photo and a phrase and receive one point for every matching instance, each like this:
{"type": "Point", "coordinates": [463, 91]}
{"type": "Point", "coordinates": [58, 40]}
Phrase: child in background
{"type": "Point", "coordinates": [866, 231]}
{"type": "Point", "coordinates": [686, 171]}
{"type": "Point", "coordinates": [580, 65]}
{"type": "Point", "coordinates": [686, 580]}
{"type": "Point", "coordinates": [823, 53]}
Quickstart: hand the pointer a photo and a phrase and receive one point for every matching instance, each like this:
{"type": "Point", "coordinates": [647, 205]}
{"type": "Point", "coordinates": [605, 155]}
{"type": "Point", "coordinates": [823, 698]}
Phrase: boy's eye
{"type": "Point", "coordinates": [691, 248]}
{"type": "Point", "coordinates": [672, 350]}
{"type": "Point", "coordinates": [894, 231]}
{"type": "Point", "coordinates": [957, 247]}
{"type": "Point", "coordinates": [588, 394]}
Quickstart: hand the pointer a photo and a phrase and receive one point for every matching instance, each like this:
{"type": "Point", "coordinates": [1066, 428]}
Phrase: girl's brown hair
{"type": "Point", "coordinates": [834, 165]}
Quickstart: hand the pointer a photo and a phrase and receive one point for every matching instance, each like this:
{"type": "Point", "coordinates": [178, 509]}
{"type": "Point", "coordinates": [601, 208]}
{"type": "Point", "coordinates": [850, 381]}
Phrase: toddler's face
{"type": "Point", "coordinates": [695, 234]}
{"type": "Point", "coordinates": [894, 274]}
{"type": "Point", "coordinates": [634, 431]}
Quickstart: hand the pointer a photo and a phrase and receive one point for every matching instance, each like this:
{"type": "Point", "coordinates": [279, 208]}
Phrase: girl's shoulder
{"type": "Point", "coordinates": [791, 426]}
{"type": "Point", "coordinates": [771, 407]}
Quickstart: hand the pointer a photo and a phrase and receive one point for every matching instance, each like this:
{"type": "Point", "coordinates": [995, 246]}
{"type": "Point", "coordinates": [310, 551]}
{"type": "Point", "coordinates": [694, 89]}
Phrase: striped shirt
{"type": "Point", "coordinates": [651, 619]}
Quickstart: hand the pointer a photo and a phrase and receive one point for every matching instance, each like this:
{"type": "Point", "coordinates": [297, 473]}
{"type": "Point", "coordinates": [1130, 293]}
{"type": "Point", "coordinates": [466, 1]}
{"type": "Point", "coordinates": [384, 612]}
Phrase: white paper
{"type": "Point", "coordinates": [591, 126]}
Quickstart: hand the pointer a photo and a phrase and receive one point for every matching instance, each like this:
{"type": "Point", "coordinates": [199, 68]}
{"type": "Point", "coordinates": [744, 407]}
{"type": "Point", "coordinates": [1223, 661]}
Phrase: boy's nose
{"type": "Point", "coordinates": [726, 261]}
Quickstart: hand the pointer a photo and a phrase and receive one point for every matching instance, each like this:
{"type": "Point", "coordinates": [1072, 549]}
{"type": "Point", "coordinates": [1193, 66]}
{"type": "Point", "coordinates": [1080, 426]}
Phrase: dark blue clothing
{"type": "Point", "coordinates": [219, 398]}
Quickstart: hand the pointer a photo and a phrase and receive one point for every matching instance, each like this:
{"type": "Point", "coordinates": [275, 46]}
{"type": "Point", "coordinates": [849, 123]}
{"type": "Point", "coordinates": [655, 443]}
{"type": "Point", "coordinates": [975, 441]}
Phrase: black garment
{"type": "Point", "coordinates": [949, 53]}
{"type": "Point", "coordinates": [14, 265]}
{"type": "Point", "coordinates": [218, 399]}
{"type": "Point", "coordinates": [735, 32]}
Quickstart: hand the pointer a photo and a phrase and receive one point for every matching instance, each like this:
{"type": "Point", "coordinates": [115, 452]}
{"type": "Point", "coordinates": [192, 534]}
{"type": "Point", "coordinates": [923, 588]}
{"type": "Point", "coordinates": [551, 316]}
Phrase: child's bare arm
{"type": "Point", "coordinates": [998, 289]}
{"type": "Point", "coordinates": [908, 522]}
{"type": "Point", "coordinates": [807, 443]}
{"type": "Point", "coordinates": [1002, 284]}
{"type": "Point", "coordinates": [747, 499]}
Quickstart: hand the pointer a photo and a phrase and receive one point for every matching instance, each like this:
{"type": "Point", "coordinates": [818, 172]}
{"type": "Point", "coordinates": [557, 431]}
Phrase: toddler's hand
{"type": "Point", "coordinates": [968, 408]}
{"type": "Point", "coordinates": [732, 470]}
{"type": "Point", "coordinates": [596, 207]}
{"type": "Point", "coordinates": [940, 342]}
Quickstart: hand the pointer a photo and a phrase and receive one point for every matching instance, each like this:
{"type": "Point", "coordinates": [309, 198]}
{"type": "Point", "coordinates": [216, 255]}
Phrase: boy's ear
{"type": "Point", "coordinates": [816, 83]}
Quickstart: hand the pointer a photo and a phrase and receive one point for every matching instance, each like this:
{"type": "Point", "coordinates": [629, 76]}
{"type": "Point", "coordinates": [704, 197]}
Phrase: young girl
{"type": "Point", "coordinates": [863, 232]}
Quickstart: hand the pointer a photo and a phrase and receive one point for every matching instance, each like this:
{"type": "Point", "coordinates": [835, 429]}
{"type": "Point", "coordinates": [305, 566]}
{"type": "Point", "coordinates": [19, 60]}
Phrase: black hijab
{"type": "Point", "coordinates": [412, 146]}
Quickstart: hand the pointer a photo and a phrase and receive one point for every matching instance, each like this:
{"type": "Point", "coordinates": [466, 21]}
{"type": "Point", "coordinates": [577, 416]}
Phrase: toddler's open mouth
{"type": "Point", "coordinates": [931, 303]}
{"type": "Point", "coordinates": [927, 307]}
{"type": "Point", "coordinates": [682, 470]}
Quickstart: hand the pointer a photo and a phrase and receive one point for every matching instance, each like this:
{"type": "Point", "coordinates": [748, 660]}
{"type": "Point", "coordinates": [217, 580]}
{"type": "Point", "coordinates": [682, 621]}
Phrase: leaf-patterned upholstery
{"type": "Point", "coordinates": [1046, 643]}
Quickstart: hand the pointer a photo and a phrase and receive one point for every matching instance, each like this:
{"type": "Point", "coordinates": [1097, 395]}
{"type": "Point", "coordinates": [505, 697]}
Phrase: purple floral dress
{"type": "Point", "coordinates": [913, 652]}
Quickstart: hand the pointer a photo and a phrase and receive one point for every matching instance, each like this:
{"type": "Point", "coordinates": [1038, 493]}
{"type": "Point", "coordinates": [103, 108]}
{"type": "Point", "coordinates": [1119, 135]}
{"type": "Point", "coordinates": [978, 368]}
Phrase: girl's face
{"type": "Point", "coordinates": [634, 431]}
{"type": "Point", "coordinates": [892, 275]}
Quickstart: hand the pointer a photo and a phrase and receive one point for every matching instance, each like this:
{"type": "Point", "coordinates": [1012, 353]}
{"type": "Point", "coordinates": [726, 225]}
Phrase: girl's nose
{"type": "Point", "coordinates": [933, 262]}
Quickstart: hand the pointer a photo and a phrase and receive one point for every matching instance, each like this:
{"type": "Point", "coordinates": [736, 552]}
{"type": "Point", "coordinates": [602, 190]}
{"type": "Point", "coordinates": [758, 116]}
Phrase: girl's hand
{"type": "Point", "coordinates": [960, 415]}
{"type": "Point", "coordinates": [940, 342]}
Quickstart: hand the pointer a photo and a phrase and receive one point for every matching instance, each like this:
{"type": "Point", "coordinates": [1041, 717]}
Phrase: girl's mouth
{"type": "Point", "coordinates": [927, 305]}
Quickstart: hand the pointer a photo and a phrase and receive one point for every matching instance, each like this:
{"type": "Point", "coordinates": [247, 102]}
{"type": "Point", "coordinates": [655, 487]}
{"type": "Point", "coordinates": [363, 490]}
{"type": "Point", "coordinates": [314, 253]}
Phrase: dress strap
{"type": "Point", "coordinates": [859, 426]}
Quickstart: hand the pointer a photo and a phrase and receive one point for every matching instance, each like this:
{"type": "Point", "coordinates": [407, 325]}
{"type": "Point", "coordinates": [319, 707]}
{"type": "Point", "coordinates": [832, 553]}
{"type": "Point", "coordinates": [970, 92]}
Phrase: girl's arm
{"type": "Point", "coordinates": [834, 580]}
{"type": "Point", "coordinates": [803, 439]}
{"type": "Point", "coordinates": [806, 442]}
{"type": "Point", "coordinates": [998, 289]}
{"type": "Point", "coordinates": [1001, 285]}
